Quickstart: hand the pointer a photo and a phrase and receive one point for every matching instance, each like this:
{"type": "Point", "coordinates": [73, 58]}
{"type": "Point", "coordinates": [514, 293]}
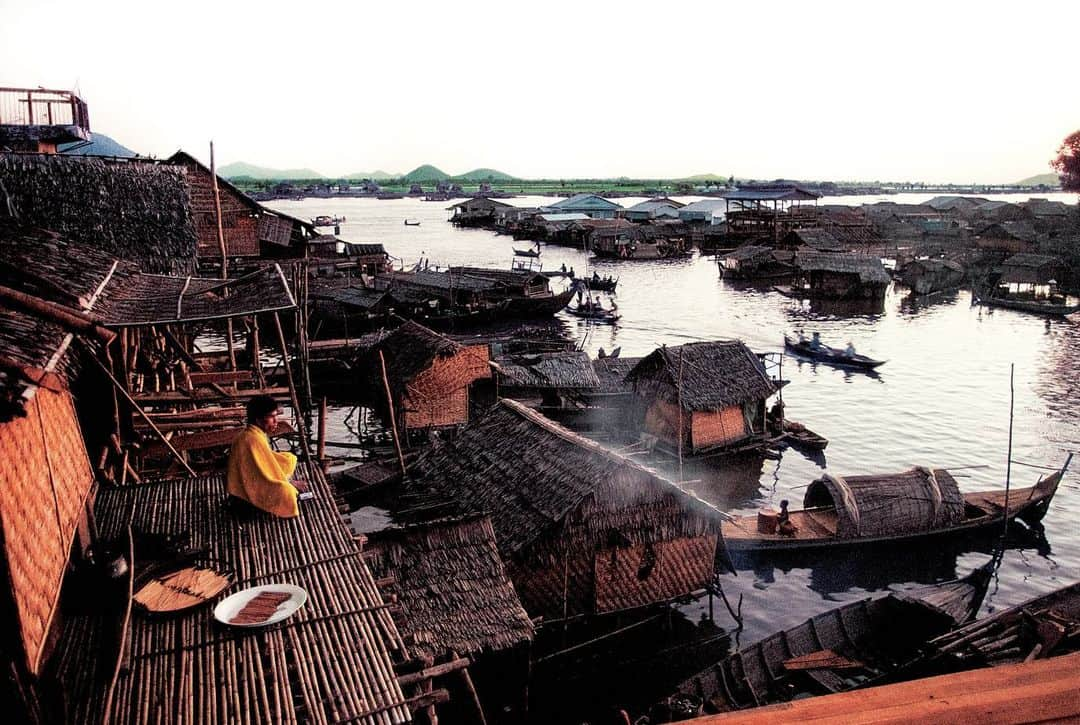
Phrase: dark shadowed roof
{"type": "Point", "coordinates": [562, 370]}
{"type": "Point", "coordinates": [453, 590]}
{"type": "Point", "coordinates": [869, 269]}
{"type": "Point", "coordinates": [611, 374]}
{"type": "Point", "coordinates": [410, 349]}
{"type": "Point", "coordinates": [713, 375]}
{"type": "Point", "coordinates": [815, 238]}
{"type": "Point", "coordinates": [1030, 260]}
{"type": "Point", "coordinates": [771, 192]}
{"type": "Point", "coordinates": [747, 253]}
{"type": "Point", "coordinates": [440, 280]}
{"type": "Point", "coordinates": [892, 503]}
{"type": "Point", "coordinates": [529, 473]}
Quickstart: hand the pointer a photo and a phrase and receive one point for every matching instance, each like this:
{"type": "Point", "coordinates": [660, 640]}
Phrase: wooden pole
{"type": "Point", "coordinates": [1008, 462]}
{"type": "Point", "coordinates": [322, 433]}
{"type": "Point", "coordinates": [224, 253]}
{"type": "Point", "coordinates": [393, 421]}
{"type": "Point", "coordinates": [142, 413]}
{"type": "Point", "coordinates": [466, 679]}
{"type": "Point", "coordinates": [298, 414]}
{"type": "Point", "coordinates": [678, 398]}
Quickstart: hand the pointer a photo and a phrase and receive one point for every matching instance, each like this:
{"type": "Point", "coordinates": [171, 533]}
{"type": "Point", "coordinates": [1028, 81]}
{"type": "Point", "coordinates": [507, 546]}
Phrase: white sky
{"type": "Point", "coordinates": [941, 91]}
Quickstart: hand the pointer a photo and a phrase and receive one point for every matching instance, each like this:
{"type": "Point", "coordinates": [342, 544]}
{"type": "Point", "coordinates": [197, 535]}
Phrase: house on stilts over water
{"type": "Point", "coordinates": [703, 397]}
{"type": "Point", "coordinates": [582, 530]}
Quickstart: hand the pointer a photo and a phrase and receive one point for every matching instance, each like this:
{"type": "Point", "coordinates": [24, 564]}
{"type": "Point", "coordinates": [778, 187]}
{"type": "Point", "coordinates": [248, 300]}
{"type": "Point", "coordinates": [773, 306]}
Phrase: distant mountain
{"type": "Point", "coordinates": [427, 172]}
{"type": "Point", "coordinates": [1041, 180]}
{"type": "Point", "coordinates": [484, 175]}
{"type": "Point", "coordinates": [373, 175]}
{"type": "Point", "coordinates": [240, 168]}
{"type": "Point", "coordinates": [100, 145]}
{"type": "Point", "coordinates": [704, 177]}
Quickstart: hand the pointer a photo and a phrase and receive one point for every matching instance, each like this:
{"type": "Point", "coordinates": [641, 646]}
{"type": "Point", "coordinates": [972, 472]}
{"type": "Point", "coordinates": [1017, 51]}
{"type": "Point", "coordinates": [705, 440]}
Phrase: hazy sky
{"type": "Point", "coordinates": [941, 91]}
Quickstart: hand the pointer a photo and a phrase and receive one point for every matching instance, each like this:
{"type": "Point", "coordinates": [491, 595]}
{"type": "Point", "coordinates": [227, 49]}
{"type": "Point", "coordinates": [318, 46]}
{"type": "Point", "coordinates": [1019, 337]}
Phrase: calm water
{"type": "Point", "coordinates": [941, 400]}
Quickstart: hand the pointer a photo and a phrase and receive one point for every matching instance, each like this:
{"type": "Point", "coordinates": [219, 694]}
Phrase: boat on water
{"type": "Point", "coordinates": [526, 252]}
{"type": "Point", "coordinates": [412, 222]}
{"type": "Point", "coordinates": [594, 313]}
{"type": "Point", "coordinates": [830, 355]}
{"type": "Point", "coordinates": [800, 436]}
{"type": "Point", "coordinates": [844, 511]}
{"type": "Point", "coordinates": [601, 284]}
{"type": "Point", "coordinates": [1039, 307]}
{"type": "Point", "coordinates": [857, 645]}
{"type": "Point", "coordinates": [327, 221]}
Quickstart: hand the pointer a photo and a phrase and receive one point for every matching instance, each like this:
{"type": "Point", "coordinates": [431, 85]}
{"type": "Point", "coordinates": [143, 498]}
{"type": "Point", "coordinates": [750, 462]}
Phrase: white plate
{"type": "Point", "coordinates": [230, 606]}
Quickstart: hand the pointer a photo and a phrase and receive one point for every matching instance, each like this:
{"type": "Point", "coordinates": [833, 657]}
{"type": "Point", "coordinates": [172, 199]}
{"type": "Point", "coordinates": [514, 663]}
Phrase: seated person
{"type": "Point", "coordinates": [258, 474]}
{"type": "Point", "coordinates": [815, 341]}
{"type": "Point", "coordinates": [849, 351]}
{"type": "Point", "coordinates": [784, 527]}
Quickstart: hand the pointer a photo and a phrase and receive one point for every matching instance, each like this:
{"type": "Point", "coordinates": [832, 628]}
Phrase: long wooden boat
{"type": "Point", "coordinates": [1042, 627]}
{"type": "Point", "coordinates": [857, 645]}
{"type": "Point", "coordinates": [800, 436]}
{"type": "Point", "coordinates": [1040, 308]}
{"type": "Point", "coordinates": [831, 355]}
{"type": "Point", "coordinates": [922, 502]}
{"type": "Point", "coordinates": [595, 314]}
{"type": "Point", "coordinates": [605, 284]}
{"type": "Point", "coordinates": [526, 252]}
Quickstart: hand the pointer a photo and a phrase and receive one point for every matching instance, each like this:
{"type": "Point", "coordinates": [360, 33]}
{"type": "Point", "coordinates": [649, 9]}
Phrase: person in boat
{"type": "Point", "coordinates": [815, 341]}
{"type": "Point", "coordinates": [571, 273]}
{"type": "Point", "coordinates": [564, 268]}
{"type": "Point", "coordinates": [776, 416]}
{"type": "Point", "coordinates": [784, 526]}
{"type": "Point", "coordinates": [849, 351]}
{"type": "Point", "coordinates": [802, 338]}
{"type": "Point", "coordinates": [595, 276]}
{"type": "Point", "coordinates": [598, 305]}
{"type": "Point", "coordinates": [257, 474]}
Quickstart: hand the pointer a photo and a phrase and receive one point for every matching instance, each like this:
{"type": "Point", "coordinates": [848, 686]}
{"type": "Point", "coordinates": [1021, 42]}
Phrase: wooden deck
{"type": "Point", "coordinates": [1039, 691]}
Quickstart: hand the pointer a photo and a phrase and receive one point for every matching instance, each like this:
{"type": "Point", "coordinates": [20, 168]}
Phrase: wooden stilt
{"type": "Point", "coordinates": [322, 433]}
{"type": "Point", "coordinates": [393, 421]}
{"type": "Point", "coordinates": [466, 679]}
{"type": "Point", "coordinates": [299, 417]}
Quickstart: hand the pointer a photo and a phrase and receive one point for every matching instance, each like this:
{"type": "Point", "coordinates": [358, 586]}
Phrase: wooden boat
{"type": "Point", "coordinates": [831, 355]}
{"type": "Point", "coordinates": [857, 645]}
{"type": "Point", "coordinates": [327, 221]}
{"type": "Point", "coordinates": [800, 436]}
{"type": "Point", "coordinates": [856, 510]}
{"type": "Point", "coordinates": [595, 314]}
{"type": "Point", "coordinates": [526, 252]}
{"type": "Point", "coordinates": [1040, 308]}
{"type": "Point", "coordinates": [414, 223]}
{"type": "Point", "coordinates": [601, 284]}
{"type": "Point", "coordinates": [1041, 627]}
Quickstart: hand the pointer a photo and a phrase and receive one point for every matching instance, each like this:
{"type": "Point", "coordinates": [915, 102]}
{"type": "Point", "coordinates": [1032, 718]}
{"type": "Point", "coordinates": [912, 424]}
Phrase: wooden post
{"type": "Point", "coordinates": [1008, 462]}
{"type": "Point", "coordinates": [298, 414]}
{"type": "Point", "coordinates": [471, 689]}
{"type": "Point", "coordinates": [322, 433]}
{"type": "Point", "coordinates": [393, 420]}
{"type": "Point", "coordinates": [256, 353]}
{"type": "Point", "coordinates": [678, 399]}
{"type": "Point", "coordinates": [224, 254]}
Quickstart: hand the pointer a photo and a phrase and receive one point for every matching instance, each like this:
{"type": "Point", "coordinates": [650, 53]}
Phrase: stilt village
{"type": "Point", "coordinates": [174, 551]}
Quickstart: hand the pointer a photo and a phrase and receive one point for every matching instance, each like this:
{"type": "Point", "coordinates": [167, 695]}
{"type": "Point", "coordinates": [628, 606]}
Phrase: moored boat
{"type": "Point", "coordinates": [596, 314]}
{"type": "Point", "coordinates": [830, 355]}
{"type": "Point", "coordinates": [800, 436]}
{"type": "Point", "coordinates": [526, 252]}
{"type": "Point", "coordinates": [857, 645]}
{"type": "Point", "coordinates": [601, 284]}
{"type": "Point", "coordinates": [1036, 306]}
{"type": "Point", "coordinates": [327, 221]}
{"type": "Point", "coordinates": [922, 502]}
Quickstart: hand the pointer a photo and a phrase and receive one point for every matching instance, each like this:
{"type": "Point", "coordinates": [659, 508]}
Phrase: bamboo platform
{"type": "Point", "coordinates": [1039, 691]}
{"type": "Point", "coordinates": [332, 661]}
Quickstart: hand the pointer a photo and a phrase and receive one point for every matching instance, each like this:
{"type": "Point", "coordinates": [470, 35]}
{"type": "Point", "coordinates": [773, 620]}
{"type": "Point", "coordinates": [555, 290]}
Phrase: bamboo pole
{"type": "Point", "coordinates": [393, 421]}
{"type": "Point", "coordinates": [298, 413]}
{"type": "Point", "coordinates": [1008, 461]}
{"type": "Point", "coordinates": [322, 433]}
{"type": "Point", "coordinates": [224, 253]}
{"type": "Point", "coordinates": [142, 414]}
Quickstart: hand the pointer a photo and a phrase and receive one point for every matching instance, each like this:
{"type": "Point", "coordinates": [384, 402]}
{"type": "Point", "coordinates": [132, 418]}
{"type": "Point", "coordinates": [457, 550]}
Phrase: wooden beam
{"type": "Point", "coordinates": [434, 671]}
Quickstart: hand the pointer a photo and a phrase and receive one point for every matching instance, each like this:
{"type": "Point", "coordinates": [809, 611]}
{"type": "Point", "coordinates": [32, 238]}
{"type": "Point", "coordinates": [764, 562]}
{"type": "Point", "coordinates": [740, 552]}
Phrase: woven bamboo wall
{"type": "Point", "coordinates": [439, 396]}
{"type": "Point", "coordinates": [645, 573]}
{"type": "Point", "coordinates": [711, 428]}
{"type": "Point", "coordinates": [238, 219]}
{"type": "Point", "coordinates": [46, 477]}
{"type": "Point", "coordinates": [662, 421]}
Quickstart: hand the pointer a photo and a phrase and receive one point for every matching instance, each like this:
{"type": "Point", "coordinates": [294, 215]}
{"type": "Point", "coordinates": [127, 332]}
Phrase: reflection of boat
{"type": "Point", "coordinates": [847, 511]}
{"type": "Point", "coordinates": [1036, 306]}
{"type": "Point", "coordinates": [857, 645]}
{"type": "Point", "coordinates": [414, 223]}
{"type": "Point", "coordinates": [831, 355]}
{"type": "Point", "coordinates": [526, 252]}
{"type": "Point", "coordinates": [596, 314]}
{"type": "Point", "coordinates": [601, 284]}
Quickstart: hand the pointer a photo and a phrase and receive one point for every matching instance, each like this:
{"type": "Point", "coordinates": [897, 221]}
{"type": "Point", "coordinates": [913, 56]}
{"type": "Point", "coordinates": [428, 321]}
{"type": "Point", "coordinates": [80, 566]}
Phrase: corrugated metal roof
{"type": "Point", "coordinates": [566, 217]}
{"type": "Point", "coordinates": [787, 193]}
{"type": "Point", "coordinates": [585, 201]}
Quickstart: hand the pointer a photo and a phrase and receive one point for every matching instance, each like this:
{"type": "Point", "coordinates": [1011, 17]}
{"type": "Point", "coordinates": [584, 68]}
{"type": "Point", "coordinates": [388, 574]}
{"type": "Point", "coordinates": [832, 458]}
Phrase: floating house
{"type": "Point", "coordinates": [659, 208]}
{"type": "Point", "coordinates": [963, 206]}
{"type": "Point", "coordinates": [703, 397]}
{"type": "Point", "coordinates": [752, 262]}
{"type": "Point", "coordinates": [556, 379]}
{"type": "Point", "coordinates": [428, 375]}
{"type": "Point", "coordinates": [1010, 236]}
{"type": "Point", "coordinates": [814, 238]}
{"type": "Point", "coordinates": [476, 212]}
{"type": "Point", "coordinates": [581, 529]}
{"type": "Point", "coordinates": [37, 120]}
{"type": "Point", "coordinates": [595, 207]}
{"type": "Point", "coordinates": [841, 276]}
{"type": "Point", "coordinates": [458, 609]}
{"type": "Point", "coordinates": [768, 211]}
{"type": "Point", "coordinates": [927, 276]}
{"type": "Point", "coordinates": [705, 211]}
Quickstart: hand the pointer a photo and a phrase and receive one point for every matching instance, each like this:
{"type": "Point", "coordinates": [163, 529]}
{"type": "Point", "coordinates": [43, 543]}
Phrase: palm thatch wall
{"type": "Point", "coordinates": [133, 210]}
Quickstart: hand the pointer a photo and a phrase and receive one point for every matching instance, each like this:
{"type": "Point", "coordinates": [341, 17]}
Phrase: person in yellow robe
{"type": "Point", "coordinates": [257, 473]}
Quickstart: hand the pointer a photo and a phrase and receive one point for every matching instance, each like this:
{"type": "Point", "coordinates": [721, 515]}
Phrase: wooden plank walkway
{"type": "Point", "coordinates": [1039, 691]}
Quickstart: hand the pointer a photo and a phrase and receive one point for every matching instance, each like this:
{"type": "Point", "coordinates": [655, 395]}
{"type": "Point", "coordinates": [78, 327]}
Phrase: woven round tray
{"type": "Point", "coordinates": [181, 589]}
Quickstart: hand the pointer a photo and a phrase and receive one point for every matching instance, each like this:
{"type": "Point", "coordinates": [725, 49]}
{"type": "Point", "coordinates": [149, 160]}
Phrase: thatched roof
{"type": "Point", "coordinates": [703, 375]}
{"type": "Point", "coordinates": [529, 474]}
{"type": "Point", "coordinates": [442, 281]}
{"type": "Point", "coordinates": [560, 370]}
{"type": "Point", "coordinates": [748, 253]}
{"type": "Point", "coordinates": [132, 210]}
{"type": "Point", "coordinates": [150, 299]}
{"type": "Point", "coordinates": [1031, 261]}
{"type": "Point", "coordinates": [409, 350]}
{"type": "Point", "coordinates": [814, 238]}
{"type": "Point", "coordinates": [611, 374]}
{"type": "Point", "coordinates": [453, 590]}
{"type": "Point", "coordinates": [889, 504]}
{"type": "Point", "coordinates": [869, 269]}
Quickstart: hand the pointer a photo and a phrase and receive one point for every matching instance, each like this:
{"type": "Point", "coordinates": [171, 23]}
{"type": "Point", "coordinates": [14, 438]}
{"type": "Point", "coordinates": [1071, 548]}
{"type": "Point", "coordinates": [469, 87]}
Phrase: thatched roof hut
{"type": "Point", "coordinates": [1033, 269]}
{"type": "Point", "coordinates": [429, 375]}
{"type": "Point", "coordinates": [570, 371]}
{"type": "Point", "coordinates": [813, 238]}
{"type": "Point", "coordinates": [711, 393]}
{"type": "Point", "coordinates": [132, 210]}
{"type": "Point", "coordinates": [889, 504]}
{"type": "Point", "coordinates": [611, 375]}
{"type": "Point", "coordinates": [582, 529]}
{"type": "Point", "coordinates": [843, 276]}
{"type": "Point", "coordinates": [452, 587]}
